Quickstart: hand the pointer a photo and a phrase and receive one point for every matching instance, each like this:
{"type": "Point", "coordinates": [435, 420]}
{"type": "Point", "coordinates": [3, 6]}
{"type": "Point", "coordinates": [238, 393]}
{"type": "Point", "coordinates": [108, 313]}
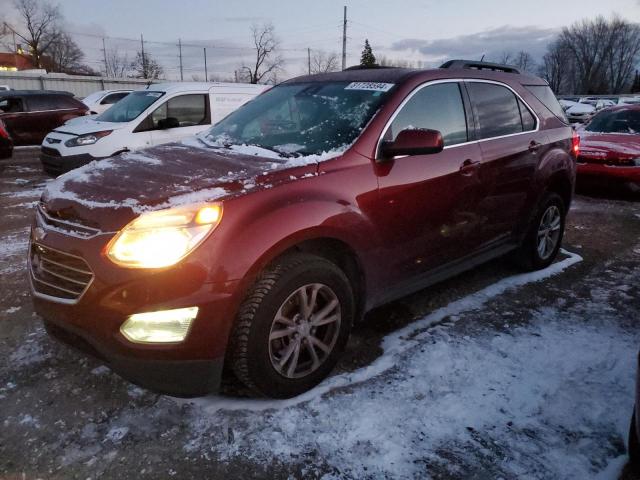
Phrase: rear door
{"type": "Point", "coordinates": [511, 144]}
{"type": "Point", "coordinates": [428, 203]}
{"type": "Point", "coordinates": [16, 121]}
{"type": "Point", "coordinates": [44, 116]}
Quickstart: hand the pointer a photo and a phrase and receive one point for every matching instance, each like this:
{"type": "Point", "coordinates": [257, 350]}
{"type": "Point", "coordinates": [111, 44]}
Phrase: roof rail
{"type": "Point", "coordinates": [371, 67]}
{"type": "Point", "coordinates": [476, 65]}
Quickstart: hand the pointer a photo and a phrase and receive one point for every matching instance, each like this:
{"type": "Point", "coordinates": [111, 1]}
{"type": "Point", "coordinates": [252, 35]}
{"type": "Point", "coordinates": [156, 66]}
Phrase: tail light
{"type": "Point", "coordinates": [575, 144]}
{"type": "Point", "coordinates": [3, 131]}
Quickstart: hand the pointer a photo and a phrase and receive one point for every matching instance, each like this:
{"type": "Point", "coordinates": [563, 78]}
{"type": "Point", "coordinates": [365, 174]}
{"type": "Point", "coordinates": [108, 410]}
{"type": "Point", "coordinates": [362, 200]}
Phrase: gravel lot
{"type": "Point", "coordinates": [492, 374]}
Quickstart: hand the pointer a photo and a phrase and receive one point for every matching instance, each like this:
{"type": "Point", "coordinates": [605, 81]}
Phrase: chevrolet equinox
{"type": "Point", "coordinates": [255, 245]}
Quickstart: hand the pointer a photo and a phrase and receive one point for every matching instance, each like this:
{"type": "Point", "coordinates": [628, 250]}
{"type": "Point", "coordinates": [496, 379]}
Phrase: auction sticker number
{"type": "Point", "coordinates": [370, 86]}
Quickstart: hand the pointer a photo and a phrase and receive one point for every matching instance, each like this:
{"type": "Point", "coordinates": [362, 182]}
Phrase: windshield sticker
{"type": "Point", "coordinates": [370, 86]}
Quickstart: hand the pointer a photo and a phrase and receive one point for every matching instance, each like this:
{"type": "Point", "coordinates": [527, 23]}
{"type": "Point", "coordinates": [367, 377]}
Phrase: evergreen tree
{"type": "Point", "coordinates": [368, 59]}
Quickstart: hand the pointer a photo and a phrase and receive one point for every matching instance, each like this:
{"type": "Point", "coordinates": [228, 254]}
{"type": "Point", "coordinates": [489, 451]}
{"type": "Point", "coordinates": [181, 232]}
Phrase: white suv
{"type": "Point", "coordinates": [159, 114]}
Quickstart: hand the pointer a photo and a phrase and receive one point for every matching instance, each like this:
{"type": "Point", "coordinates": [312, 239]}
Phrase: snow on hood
{"type": "Point", "coordinates": [88, 124]}
{"type": "Point", "coordinates": [581, 108]}
{"type": "Point", "coordinates": [170, 175]}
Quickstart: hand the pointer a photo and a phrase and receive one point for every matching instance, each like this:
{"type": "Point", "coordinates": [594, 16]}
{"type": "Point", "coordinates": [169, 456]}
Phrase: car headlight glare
{"type": "Point", "coordinates": [163, 238]}
{"type": "Point", "coordinates": [88, 139]}
{"type": "Point", "coordinates": [165, 326]}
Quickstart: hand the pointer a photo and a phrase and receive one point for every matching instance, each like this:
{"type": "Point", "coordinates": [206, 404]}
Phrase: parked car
{"type": "Point", "coordinates": [580, 112]}
{"type": "Point", "coordinates": [160, 114]}
{"type": "Point", "coordinates": [99, 102]}
{"type": "Point", "coordinates": [258, 243]}
{"type": "Point", "coordinates": [28, 115]}
{"type": "Point", "coordinates": [6, 144]}
{"type": "Point", "coordinates": [610, 147]}
{"type": "Point", "coordinates": [4, 88]}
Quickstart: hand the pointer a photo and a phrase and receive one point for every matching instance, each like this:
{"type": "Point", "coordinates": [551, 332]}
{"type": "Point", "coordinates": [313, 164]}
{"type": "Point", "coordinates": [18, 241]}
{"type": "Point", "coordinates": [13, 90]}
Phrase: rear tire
{"type": "Point", "coordinates": [292, 326]}
{"type": "Point", "coordinates": [544, 238]}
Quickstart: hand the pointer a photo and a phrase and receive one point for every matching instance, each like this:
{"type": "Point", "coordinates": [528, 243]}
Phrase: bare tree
{"type": "Point", "coordinates": [506, 58]}
{"type": "Point", "coordinates": [323, 62]}
{"type": "Point", "coordinates": [624, 54]}
{"type": "Point", "coordinates": [524, 61]}
{"type": "Point", "coordinates": [557, 68]}
{"type": "Point", "coordinates": [65, 54]}
{"type": "Point", "coordinates": [39, 19]}
{"type": "Point", "coordinates": [145, 66]}
{"type": "Point", "coordinates": [268, 63]}
{"type": "Point", "coordinates": [594, 57]}
{"type": "Point", "coordinates": [117, 65]}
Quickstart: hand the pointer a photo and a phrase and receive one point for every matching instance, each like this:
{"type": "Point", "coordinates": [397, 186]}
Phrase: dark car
{"type": "Point", "coordinates": [610, 148]}
{"type": "Point", "coordinates": [256, 245]}
{"type": "Point", "coordinates": [28, 115]}
{"type": "Point", "coordinates": [6, 144]}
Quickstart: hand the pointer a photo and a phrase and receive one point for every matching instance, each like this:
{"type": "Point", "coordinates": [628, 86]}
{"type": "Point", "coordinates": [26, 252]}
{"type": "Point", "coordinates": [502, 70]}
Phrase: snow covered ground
{"type": "Point", "coordinates": [493, 374]}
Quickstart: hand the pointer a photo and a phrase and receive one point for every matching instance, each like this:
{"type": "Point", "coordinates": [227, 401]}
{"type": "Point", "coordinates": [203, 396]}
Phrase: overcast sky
{"type": "Point", "coordinates": [429, 31]}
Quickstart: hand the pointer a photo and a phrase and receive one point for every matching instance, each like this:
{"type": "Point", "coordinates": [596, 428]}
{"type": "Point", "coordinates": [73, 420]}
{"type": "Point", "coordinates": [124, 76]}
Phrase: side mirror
{"type": "Point", "coordinates": [413, 142]}
{"type": "Point", "coordinates": [169, 122]}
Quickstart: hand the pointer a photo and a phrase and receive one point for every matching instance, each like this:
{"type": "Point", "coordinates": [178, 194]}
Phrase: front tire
{"type": "Point", "coordinates": [292, 326]}
{"type": "Point", "coordinates": [544, 238]}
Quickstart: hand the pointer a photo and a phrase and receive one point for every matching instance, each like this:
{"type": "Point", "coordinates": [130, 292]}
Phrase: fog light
{"type": "Point", "coordinates": [165, 326]}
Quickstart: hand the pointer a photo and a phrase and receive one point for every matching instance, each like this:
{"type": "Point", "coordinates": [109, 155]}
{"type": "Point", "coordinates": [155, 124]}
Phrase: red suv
{"type": "Point", "coordinates": [27, 116]}
{"type": "Point", "coordinates": [256, 245]}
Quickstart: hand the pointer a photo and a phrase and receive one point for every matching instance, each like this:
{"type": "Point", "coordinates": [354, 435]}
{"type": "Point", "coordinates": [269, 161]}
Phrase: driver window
{"type": "Point", "coordinates": [436, 107]}
{"type": "Point", "coordinates": [188, 110]}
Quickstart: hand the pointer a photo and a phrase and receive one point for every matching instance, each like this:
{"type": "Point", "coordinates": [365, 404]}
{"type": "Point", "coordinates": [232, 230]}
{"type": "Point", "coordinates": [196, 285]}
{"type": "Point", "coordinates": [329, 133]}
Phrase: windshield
{"type": "Point", "coordinates": [616, 121]}
{"type": "Point", "coordinates": [301, 118]}
{"type": "Point", "coordinates": [130, 107]}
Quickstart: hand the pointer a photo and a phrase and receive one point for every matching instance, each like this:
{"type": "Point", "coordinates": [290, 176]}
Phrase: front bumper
{"type": "Point", "coordinates": [54, 164]}
{"type": "Point", "coordinates": [92, 321]}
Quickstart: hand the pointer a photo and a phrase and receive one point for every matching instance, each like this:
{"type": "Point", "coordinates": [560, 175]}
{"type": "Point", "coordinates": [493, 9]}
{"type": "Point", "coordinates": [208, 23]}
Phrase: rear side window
{"type": "Point", "coordinates": [496, 108]}
{"type": "Point", "coordinates": [528, 120]}
{"type": "Point", "coordinates": [436, 107]}
{"type": "Point", "coordinates": [548, 99]}
{"type": "Point", "coordinates": [64, 102]}
{"type": "Point", "coordinates": [38, 103]}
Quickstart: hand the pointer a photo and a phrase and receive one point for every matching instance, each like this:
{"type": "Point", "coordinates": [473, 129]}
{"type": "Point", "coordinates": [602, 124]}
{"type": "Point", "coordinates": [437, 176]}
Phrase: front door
{"type": "Point", "coordinates": [428, 203]}
{"type": "Point", "coordinates": [180, 117]}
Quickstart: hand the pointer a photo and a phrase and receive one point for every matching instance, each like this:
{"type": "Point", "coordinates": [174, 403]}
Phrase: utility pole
{"type": "Point", "coordinates": [206, 75]}
{"type": "Point", "coordinates": [106, 64]}
{"type": "Point", "coordinates": [144, 62]}
{"type": "Point", "coordinates": [344, 39]}
{"type": "Point", "coordinates": [180, 49]}
{"type": "Point", "coordinates": [235, 74]}
{"type": "Point", "coordinates": [309, 59]}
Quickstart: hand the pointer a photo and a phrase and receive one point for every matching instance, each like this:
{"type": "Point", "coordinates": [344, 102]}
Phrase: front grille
{"type": "Point", "coordinates": [58, 275]}
{"type": "Point", "coordinates": [68, 227]}
{"type": "Point", "coordinates": [50, 151]}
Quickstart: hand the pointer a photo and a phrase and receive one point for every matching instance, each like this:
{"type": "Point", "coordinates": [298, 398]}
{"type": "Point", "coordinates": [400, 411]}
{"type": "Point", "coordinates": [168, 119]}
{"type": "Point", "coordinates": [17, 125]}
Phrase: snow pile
{"type": "Point", "coordinates": [535, 401]}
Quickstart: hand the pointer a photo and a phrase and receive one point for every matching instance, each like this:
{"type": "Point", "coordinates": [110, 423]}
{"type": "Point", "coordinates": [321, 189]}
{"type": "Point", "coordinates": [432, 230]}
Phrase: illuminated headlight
{"type": "Point", "coordinates": [165, 326]}
{"type": "Point", "coordinates": [88, 139]}
{"type": "Point", "coordinates": [163, 238]}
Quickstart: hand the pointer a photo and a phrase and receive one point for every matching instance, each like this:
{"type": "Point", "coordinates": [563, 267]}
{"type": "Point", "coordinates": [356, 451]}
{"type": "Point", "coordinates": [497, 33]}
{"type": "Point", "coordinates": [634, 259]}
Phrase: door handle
{"type": "Point", "coordinates": [469, 166]}
{"type": "Point", "coordinates": [534, 146]}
